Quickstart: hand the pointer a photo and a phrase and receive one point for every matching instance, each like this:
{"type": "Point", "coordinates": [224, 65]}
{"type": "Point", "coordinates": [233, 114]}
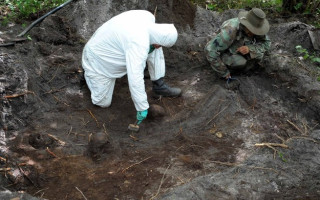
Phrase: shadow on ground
{"type": "Point", "coordinates": [259, 141]}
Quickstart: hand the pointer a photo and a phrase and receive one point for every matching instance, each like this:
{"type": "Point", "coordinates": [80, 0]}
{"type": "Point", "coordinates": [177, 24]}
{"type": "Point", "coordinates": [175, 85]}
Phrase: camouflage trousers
{"type": "Point", "coordinates": [237, 62]}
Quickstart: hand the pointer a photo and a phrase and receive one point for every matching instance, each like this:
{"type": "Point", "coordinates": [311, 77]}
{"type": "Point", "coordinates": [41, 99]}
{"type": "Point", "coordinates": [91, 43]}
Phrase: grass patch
{"type": "Point", "coordinates": [221, 5]}
{"type": "Point", "coordinates": [13, 10]}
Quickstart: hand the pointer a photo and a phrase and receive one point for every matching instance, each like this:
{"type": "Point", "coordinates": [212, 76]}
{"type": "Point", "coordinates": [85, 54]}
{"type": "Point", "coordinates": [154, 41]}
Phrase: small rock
{"type": "Point", "coordinates": [219, 134]}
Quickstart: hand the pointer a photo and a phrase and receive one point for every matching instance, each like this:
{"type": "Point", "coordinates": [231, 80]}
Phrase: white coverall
{"type": "Point", "coordinates": [119, 47]}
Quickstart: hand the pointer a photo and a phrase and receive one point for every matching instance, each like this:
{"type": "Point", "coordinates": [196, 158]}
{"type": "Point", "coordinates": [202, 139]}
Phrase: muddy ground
{"type": "Point", "coordinates": [205, 147]}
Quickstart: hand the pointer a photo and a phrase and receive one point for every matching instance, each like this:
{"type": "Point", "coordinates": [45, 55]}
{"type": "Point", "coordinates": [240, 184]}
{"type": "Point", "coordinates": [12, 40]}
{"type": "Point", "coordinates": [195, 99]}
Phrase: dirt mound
{"type": "Point", "coordinates": [258, 141]}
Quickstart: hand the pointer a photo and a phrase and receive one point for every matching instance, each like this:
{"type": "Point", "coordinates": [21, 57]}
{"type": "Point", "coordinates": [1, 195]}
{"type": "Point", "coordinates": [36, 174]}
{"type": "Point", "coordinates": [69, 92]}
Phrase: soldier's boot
{"type": "Point", "coordinates": [161, 89]}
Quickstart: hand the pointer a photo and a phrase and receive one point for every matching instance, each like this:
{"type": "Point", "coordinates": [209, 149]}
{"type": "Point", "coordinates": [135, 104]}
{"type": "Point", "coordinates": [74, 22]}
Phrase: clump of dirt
{"type": "Point", "coordinates": [155, 111]}
{"type": "Point", "coordinates": [256, 141]}
{"type": "Point", "coordinates": [97, 144]}
{"type": "Point", "coordinates": [38, 140]}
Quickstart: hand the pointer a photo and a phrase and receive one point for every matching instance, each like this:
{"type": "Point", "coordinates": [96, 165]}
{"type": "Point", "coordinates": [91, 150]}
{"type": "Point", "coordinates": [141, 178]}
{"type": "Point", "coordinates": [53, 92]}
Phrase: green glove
{"type": "Point", "coordinates": [152, 48]}
{"type": "Point", "coordinates": [141, 115]}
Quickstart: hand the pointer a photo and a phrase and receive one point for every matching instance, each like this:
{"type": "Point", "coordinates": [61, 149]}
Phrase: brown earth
{"type": "Point", "coordinates": [56, 145]}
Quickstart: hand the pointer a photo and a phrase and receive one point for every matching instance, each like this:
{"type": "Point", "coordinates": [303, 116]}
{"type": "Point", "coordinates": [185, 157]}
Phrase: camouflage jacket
{"type": "Point", "coordinates": [229, 39]}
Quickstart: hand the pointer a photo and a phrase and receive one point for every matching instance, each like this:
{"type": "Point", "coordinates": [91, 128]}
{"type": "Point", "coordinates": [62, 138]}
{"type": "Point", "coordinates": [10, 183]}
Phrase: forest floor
{"type": "Point", "coordinates": [258, 141]}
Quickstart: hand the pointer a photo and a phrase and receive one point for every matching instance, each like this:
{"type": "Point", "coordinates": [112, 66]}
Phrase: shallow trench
{"type": "Point", "coordinates": [203, 148]}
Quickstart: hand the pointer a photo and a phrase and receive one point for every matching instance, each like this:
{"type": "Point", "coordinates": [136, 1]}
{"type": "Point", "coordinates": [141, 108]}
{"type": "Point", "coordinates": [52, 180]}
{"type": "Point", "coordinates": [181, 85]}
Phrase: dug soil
{"type": "Point", "coordinates": [257, 141]}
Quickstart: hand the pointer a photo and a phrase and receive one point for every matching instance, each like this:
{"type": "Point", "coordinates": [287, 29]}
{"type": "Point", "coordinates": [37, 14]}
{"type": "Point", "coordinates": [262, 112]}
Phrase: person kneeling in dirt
{"type": "Point", "coordinates": [240, 44]}
{"type": "Point", "coordinates": [123, 45]}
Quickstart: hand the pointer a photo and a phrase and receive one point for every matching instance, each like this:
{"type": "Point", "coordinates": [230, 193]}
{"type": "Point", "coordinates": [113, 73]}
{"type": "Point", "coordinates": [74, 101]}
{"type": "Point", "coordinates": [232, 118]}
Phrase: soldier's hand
{"type": "Point", "coordinates": [243, 50]}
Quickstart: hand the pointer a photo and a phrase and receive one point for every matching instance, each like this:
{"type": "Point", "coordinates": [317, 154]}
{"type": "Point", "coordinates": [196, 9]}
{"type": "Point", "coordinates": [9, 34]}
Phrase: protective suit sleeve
{"type": "Point", "coordinates": [156, 64]}
{"type": "Point", "coordinates": [136, 57]}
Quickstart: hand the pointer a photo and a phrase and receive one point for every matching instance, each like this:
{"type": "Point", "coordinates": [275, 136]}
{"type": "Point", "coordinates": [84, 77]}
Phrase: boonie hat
{"type": "Point", "coordinates": [255, 20]}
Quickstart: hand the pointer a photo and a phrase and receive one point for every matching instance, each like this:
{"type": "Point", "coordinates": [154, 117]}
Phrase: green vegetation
{"type": "Point", "coordinates": [26, 7]}
{"type": "Point", "coordinates": [22, 9]}
{"type": "Point", "coordinates": [282, 7]}
{"type": "Point", "coordinates": [307, 56]}
{"type": "Point", "coordinates": [29, 37]}
{"type": "Point", "coordinates": [317, 23]}
{"type": "Point", "coordinates": [314, 58]}
{"type": "Point", "coordinates": [282, 157]}
{"type": "Point", "coordinates": [221, 5]}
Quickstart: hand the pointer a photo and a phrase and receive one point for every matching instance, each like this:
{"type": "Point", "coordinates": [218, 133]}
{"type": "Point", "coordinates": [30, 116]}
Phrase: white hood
{"type": "Point", "coordinates": [163, 34]}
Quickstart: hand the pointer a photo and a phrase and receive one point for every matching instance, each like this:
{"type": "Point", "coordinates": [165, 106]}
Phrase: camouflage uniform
{"type": "Point", "coordinates": [222, 53]}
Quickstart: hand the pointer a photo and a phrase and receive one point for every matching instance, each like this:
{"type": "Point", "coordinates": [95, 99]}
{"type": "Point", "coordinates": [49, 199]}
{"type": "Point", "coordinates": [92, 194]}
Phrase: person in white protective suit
{"type": "Point", "coordinates": [123, 45]}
